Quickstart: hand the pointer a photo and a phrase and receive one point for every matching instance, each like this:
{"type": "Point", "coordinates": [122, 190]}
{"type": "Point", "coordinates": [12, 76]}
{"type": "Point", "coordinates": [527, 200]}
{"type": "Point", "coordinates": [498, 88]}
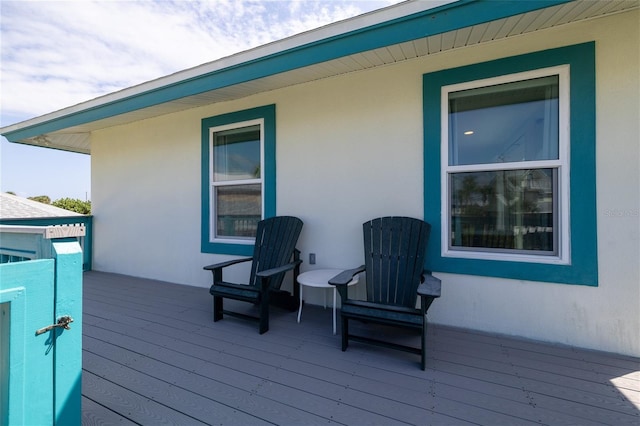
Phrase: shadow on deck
{"type": "Point", "coordinates": [152, 355]}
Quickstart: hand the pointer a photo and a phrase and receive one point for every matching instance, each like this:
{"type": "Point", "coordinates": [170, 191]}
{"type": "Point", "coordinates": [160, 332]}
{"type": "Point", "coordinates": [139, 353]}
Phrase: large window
{"type": "Point", "coordinates": [238, 178]}
{"type": "Point", "coordinates": [509, 176]}
{"type": "Point", "coordinates": [504, 155]}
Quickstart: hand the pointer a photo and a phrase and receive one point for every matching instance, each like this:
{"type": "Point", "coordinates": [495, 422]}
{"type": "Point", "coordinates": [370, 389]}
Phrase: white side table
{"type": "Point", "coordinates": [319, 278]}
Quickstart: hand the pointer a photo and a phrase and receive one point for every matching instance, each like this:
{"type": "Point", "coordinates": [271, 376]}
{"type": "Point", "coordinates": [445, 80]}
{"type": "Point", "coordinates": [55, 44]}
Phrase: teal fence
{"type": "Point", "coordinates": [86, 241]}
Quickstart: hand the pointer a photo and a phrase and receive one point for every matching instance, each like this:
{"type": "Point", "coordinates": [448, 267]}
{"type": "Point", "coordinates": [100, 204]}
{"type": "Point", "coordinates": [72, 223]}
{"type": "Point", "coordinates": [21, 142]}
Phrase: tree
{"type": "Point", "coordinates": [73, 204]}
{"type": "Point", "coordinates": [41, 199]}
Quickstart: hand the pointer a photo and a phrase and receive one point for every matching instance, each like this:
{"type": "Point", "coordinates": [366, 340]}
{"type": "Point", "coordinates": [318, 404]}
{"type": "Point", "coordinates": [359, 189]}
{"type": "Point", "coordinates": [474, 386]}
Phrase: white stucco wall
{"type": "Point", "coordinates": [350, 149]}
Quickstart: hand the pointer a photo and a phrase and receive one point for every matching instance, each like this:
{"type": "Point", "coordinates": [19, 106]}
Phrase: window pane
{"type": "Point", "coordinates": [508, 122]}
{"type": "Point", "coordinates": [236, 154]}
{"type": "Point", "coordinates": [510, 209]}
{"type": "Point", "coordinates": [238, 210]}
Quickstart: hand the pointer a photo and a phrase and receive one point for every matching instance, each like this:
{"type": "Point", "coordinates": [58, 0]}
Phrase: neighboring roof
{"type": "Point", "coordinates": [14, 207]}
{"type": "Point", "coordinates": [397, 33]}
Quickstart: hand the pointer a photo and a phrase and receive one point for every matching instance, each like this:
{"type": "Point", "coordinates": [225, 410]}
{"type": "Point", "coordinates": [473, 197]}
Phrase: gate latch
{"type": "Point", "coordinates": [63, 322]}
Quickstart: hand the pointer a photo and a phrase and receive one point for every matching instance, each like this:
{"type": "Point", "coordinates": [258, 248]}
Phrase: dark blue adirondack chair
{"type": "Point", "coordinates": [274, 254]}
{"type": "Point", "coordinates": [395, 249]}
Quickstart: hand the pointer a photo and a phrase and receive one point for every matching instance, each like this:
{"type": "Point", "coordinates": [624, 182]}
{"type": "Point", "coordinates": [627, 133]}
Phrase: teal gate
{"type": "Point", "coordinates": [40, 325]}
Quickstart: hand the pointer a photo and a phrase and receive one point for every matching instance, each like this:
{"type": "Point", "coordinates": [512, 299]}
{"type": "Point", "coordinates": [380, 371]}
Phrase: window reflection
{"type": "Point", "coordinates": [236, 154]}
{"type": "Point", "coordinates": [509, 122]}
{"type": "Point", "coordinates": [508, 209]}
{"type": "Point", "coordinates": [238, 210]}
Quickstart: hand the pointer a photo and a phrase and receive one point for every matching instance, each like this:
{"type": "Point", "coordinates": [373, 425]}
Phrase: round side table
{"type": "Point", "coordinates": [319, 278]}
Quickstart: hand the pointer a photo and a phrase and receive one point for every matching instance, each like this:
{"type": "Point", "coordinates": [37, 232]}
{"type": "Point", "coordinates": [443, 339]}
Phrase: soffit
{"type": "Point", "coordinates": [77, 139]}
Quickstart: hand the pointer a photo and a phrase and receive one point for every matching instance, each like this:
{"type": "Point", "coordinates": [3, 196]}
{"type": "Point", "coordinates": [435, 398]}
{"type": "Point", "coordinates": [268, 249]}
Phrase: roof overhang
{"type": "Point", "coordinates": [394, 34]}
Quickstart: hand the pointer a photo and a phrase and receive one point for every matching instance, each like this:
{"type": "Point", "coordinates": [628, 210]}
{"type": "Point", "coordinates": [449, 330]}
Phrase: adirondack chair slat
{"type": "Point", "coordinates": [395, 250]}
{"type": "Point", "coordinates": [274, 255]}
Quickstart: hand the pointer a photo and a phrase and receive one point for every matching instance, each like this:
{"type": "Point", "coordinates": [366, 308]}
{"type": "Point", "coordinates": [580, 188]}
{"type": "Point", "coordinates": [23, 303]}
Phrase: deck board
{"type": "Point", "coordinates": [96, 414]}
{"type": "Point", "coordinates": [153, 355]}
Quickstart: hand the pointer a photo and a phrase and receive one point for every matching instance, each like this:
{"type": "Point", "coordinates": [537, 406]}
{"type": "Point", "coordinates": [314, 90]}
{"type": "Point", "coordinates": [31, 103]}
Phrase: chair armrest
{"type": "Point", "coordinates": [345, 277]}
{"type": "Point", "coordinates": [227, 263]}
{"type": "Point", "coordinates": [430, 286]}
{"type": "Point", "coordinates": [279, 269]}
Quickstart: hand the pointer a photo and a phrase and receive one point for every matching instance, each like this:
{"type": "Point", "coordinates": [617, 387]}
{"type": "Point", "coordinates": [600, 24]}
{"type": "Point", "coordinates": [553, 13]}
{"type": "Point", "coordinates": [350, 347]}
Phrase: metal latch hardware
{"type": "Point", "coordinates": [62, 322]}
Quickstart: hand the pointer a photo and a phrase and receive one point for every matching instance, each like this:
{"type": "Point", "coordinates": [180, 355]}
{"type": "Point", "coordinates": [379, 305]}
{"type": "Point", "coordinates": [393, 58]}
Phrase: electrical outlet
{"type": "Point", "coordinates": [312, 258]}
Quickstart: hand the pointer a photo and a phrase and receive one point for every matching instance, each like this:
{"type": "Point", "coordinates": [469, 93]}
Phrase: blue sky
{"type": "Point", "coordinates": [55, 54]}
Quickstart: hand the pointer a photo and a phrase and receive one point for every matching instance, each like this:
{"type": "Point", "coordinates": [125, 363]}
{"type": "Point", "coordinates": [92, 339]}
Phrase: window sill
{"type": "Point", "coordinates": [506, 257]}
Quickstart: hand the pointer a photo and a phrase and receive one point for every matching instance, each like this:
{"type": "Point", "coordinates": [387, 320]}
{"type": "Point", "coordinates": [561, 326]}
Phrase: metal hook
{"type": "Point", "coordinates": [63, 322]}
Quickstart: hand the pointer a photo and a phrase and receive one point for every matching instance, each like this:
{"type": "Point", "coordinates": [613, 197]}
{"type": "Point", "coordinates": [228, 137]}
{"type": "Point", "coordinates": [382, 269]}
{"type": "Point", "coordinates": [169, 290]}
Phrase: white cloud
{"type": "Point", "coordinates": [56, 54]}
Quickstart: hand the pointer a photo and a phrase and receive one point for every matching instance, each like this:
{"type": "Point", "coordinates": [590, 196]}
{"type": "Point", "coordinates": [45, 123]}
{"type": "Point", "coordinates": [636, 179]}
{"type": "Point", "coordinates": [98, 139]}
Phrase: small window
{"type": "Point", "coordinates": [504, 156]}
{"type": "Point", "coordinates": [238, 178]}
{"type": "Point", "coordinates": [236, 184]}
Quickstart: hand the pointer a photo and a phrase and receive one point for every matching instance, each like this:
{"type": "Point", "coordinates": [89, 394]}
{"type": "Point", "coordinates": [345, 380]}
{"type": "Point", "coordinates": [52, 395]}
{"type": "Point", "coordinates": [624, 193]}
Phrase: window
{"type": "Point", "coordinates": [236, 181]}
{"type": "Point", "coordinates": [238, 178]}
{"type": "Point", "coordinates": [504, 155]}
{"type": "Point", "coordinates": [509, 176]}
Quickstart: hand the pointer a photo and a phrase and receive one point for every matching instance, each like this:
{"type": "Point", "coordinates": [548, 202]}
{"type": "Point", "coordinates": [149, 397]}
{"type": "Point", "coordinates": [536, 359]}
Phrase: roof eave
{"type": "Point", "coordinates": [404, 24]}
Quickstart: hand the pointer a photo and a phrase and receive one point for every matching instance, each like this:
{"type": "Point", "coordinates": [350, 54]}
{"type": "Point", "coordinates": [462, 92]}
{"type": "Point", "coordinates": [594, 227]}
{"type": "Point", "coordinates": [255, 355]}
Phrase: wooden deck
{"type": "Point", "coordinates": [152, 355]}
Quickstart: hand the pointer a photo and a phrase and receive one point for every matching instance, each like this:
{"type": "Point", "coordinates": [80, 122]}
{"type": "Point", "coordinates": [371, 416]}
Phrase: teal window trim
{"type": "Point", "coordinates": [268, 114]}
{"type": "Point", "coordinates": [583, 265]}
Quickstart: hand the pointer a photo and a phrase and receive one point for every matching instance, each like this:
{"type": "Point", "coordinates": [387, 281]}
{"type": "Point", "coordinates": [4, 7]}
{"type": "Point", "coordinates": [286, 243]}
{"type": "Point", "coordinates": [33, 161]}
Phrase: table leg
{"type": "Point", "coordinates": [300, 307]}
{"type": "Point", "coordinates": [334, 310]}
